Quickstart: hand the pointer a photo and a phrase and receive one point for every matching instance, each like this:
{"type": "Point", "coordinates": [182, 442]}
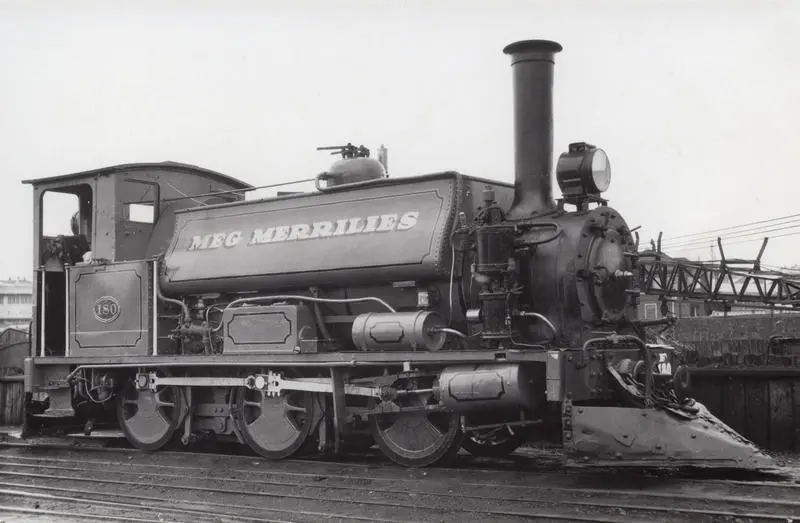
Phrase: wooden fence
{"type": "Point", "coordinates": [10, 397]}
{"type": "Point", "coordinates": [761, 404]}
{"type": "Point", "coordinates": [11, 382]}
{"type": "Point", "coordinates": [746, 370]}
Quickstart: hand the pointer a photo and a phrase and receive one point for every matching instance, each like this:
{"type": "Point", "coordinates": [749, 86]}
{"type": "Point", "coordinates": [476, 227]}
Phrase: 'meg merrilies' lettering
{"type": "Point", "coordinates": [307, 231]}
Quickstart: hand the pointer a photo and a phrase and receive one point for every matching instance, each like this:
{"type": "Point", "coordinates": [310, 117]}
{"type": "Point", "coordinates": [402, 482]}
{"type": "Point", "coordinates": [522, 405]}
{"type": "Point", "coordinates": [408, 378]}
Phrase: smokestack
{"type": "Point", "coordinates": [532, 61]}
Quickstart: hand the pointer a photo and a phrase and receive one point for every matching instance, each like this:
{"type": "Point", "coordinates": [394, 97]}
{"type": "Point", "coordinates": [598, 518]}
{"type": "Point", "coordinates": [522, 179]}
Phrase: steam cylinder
{"type": "Point", "coordinates": [398, 331]}
{"type": "Point", "coordinates": [473, 387]}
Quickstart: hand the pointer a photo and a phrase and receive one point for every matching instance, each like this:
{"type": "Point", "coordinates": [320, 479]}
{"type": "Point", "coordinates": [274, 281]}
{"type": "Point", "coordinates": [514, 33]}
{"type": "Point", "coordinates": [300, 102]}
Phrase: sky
{"type": "Point", "coordinates": [695, 103]}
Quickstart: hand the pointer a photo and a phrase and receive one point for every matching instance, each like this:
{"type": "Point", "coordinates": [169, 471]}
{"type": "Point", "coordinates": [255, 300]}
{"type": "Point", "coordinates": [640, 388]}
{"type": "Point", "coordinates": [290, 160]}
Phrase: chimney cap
{"type": "Point", "coordinates": [541, 46]}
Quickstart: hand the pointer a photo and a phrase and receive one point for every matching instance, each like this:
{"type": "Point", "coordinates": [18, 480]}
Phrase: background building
{"type": "Point", "coordinates": [650, 308]}
{"type": "Point", "coordinates": [15, 303]}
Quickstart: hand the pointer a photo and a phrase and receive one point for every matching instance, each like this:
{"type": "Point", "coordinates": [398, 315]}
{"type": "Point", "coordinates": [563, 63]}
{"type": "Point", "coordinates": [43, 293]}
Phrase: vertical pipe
{"type": "Point", "coordinates": [154, 308]}
{"type": "Point", "coordinates": [532, 62]}
{"type": "Point", "coordinates": [42, 308]}
{"type": "Point", "coordinates": [66, 311]}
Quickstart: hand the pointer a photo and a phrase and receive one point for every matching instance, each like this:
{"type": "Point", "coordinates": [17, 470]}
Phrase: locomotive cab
{"type": "Point", "coordinates": [97, 225]}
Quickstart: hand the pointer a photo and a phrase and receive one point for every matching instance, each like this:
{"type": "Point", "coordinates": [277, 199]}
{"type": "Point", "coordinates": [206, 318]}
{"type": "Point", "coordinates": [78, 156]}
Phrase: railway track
{"type": "Point", "coordinates": [54, 482]}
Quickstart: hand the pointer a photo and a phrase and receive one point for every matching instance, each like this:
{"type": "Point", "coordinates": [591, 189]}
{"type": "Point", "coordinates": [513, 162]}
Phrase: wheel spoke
{"type": "Point", "coordinates": [276, 427]}
{"type": "Point", "coordinates": [412, 439]}
{"type": "Point", "coordinates": [149, 427]}
{"type": "Point", "coordinates": [413, 435]}
{"type": "Point", "coordinates": [428, 433]}
{"type": "Point", "coordinates": [162, 403]}
{"type": "Point", "coordinates": [396, 432]}
{"type": "Point", "coordinates": [153, 421]}
{"type": "Point", "coordinates": [271, 433]}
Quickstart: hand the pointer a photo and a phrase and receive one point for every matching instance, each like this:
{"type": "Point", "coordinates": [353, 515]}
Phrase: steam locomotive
{"type": "Point", "coordinates": [422, 314]}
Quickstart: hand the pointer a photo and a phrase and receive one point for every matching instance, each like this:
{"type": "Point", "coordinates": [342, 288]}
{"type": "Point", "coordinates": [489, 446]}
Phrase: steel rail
{"type": "Point", "coordinates": [150, 500]}
{"type": "Point", "coordinates": [143, 506]}
{"type": "Point", "coordinates": [415, 506]}
{"type": "Point", "coordinates": [626, 494]}
{"type": "Point", "coordinates": [82, 516]}
{"type": "Point", "coordinates": [282, 483]}
{"type": "Point", "coordinates": [383, 467]}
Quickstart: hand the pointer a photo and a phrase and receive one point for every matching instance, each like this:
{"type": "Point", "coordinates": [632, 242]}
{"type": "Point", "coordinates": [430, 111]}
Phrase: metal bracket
{"type": "Point", "coordinates": [187, 421]}
{"type": "Point", "coordinates": [508, 425]}
{"type": "Point", "coordinates": [274, 384]}
{"type": "Point", "coordinates": [339, 407]}
{"type": "Point", "coordinates": [566, 422]}
{"type": "Point", "coordinates": [152, 381]}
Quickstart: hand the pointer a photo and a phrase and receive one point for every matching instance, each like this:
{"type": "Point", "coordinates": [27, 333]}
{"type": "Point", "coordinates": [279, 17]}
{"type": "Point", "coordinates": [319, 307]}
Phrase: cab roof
{"type": "Point", "coordinates": [128, 167]}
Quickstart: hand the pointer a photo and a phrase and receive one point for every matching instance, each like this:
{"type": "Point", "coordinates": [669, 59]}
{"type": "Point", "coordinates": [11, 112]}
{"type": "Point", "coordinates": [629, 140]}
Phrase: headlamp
{"type": "Point", "coordinates": [583, 171]}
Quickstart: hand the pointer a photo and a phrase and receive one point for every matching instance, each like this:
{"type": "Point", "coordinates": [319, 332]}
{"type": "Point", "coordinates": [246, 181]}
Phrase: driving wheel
{"type": "Point", "coordinates": [276, 427]}
{"type": "Point", "coordinates": [149, 418]}
{"type": "Point", "coordinates": [417, 439]}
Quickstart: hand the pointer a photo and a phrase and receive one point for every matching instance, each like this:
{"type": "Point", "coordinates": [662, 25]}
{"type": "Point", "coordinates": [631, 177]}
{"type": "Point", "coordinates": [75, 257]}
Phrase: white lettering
{"type": "Point", "coordinates": [372, 222]}
{"type": "Point", "coordinates": [408, 220]}
{"type": "Point", "coordinates": [321, 229]}
{"type": "Point", "coordinates": [299, 232]}
{"type": "Point", "coordinates": [282, 233]}
{"type": "Point", "coordinates": [305, 231]}
{"type": "Point", "coordinates": [233, 239]}
{"type": "Point", "coordinates": [341, 227]}
{"type": "Point", "coordinates": [388, 222]}
{"type": "Point", "coordinates": [217, 241]}
{"type": "Point", "coordinates": [355, 226]}
{"type": "Point", "coordinates": [200, 242]}
{"type": "Point", "coordinates": [262, 236]}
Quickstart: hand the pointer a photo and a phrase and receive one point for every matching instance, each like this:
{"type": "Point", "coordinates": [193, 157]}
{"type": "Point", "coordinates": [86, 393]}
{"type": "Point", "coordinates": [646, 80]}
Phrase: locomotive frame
{"type": "Point", "coordinates": [423, 313]}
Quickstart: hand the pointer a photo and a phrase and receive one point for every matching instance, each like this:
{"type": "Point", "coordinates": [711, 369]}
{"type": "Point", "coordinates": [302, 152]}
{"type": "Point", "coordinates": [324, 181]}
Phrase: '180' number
{"type": "Point", "coordinates": [106, 309]}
